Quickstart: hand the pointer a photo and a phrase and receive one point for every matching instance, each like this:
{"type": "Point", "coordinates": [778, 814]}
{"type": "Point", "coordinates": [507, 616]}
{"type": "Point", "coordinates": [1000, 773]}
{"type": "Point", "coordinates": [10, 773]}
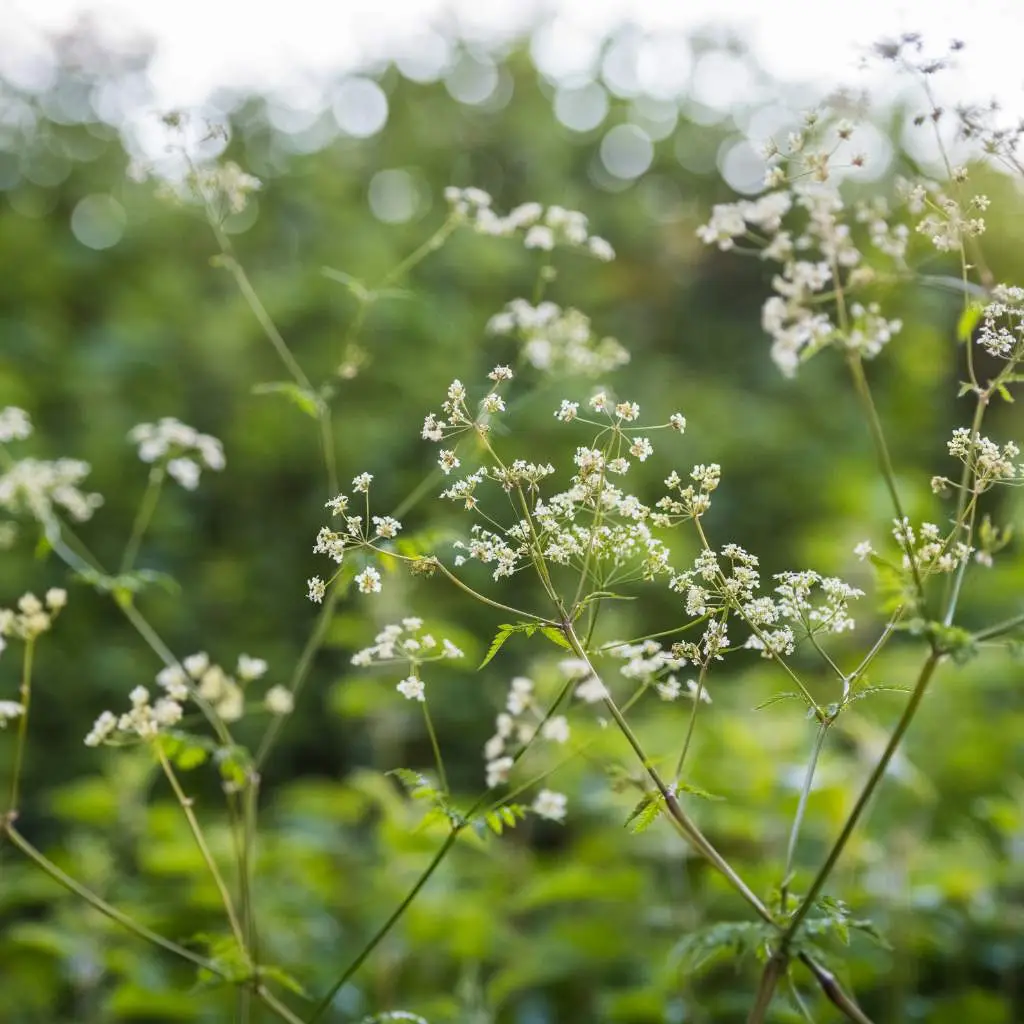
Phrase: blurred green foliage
{"type": "Point", "coordinates": [584, 922]}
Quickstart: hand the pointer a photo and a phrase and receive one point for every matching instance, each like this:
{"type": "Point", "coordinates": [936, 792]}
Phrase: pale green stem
{"type": "Point", "coordinates": [693, 721]}
{"type": "Point", "coordinates": [197, 834]}
{"type": "Point", "coordinates": [672, 805]}
{"type": "Point", "coordinates": [438, 760]}
{"type": "Point", "coordinates": [299, 675]}
{"type": "Point", "coordinates": [801, 807]}
{"type": "Point", "coordinates": [927, 670]}
{"type": "Point", "coordinates": [26, 700]}
{"type": "Point", "coordinates": [101, 905]}
{"type": "Point", "coordinates": [147, 506]}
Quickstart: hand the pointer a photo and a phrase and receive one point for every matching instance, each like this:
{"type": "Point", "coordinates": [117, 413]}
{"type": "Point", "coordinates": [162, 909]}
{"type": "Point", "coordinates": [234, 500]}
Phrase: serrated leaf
{"type": "Point", "coordinates": [1004, 393]}
{"type": "Point", "coordinates": [644, 815]}
{"type": "Point", "coordinates": [870, 691]}
{"type": "Point", "coordinates": [305, 400]}
{"type": "Point", "coordinates": [418, 786]}
{"type": "Point", "coordinates": [687, 787]}
{"type": "Point", "coordinates": [557, 637]}
{"type": "Point", "coordinates": [788, 695]}
{"type": "Point", "coordinates": [500, 637]}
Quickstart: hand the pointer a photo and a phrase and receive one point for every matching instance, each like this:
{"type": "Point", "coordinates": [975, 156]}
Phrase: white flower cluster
{"type": "Point", "coordinates": [927, 549]}
{"type": "Point", "coordinates": [831, 613]}
{"type": "Point", "coordinates": [947, 222]}
{"type": "Point", "coordinates": [1002, 327]}
{"type": "Point", "coordinates": [593, 525]}
{"type": "Point", "coordinates": [822, 255]}
{"type": "Point", "coordinates": [197, 678]}
{"type": "Point", "coordinates": [31, 617]}
{"type": "Point", "coordinates": [540, 228]}
{"type": "Point", "coordinates": [520, 723]}
{"type": "Point", "coordinates": [185, 450]}
{"type": "Point", "coordinates": [556, 340]}
{"type": "Point", "coordinates": [225, 184]}
{"type": "Point", "coordinates": [647, 662]}
{"type": "Point", "coordinates": [15, 424]}
{"type": "Point", "coordinates": [549, 804]}
{"type": "Point", "coordinates": [359, 532]}
{"type": "Point", "coordinates": [688, 501]}
{"type": "Point", "coordinates": [406, 642]}
{"type": "Point", "coordinates": [37, 488]}
{"type": "Point", "coordinates": [457, 417]}
{"type": "Point", "coordinates": [989, 463]}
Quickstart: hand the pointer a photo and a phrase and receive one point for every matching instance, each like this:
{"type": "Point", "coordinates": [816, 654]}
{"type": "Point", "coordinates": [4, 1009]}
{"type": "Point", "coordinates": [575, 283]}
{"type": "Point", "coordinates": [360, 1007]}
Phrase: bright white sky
{"type": "Point", "coordinates": [204, 43]}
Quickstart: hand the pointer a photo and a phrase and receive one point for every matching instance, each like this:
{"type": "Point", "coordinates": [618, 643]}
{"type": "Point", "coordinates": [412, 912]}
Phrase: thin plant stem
{"type": "Point", "coordinates": [265, 996]}
{"type": "Point", "coordinates": [693, 721]}
{"type": "Point", "coordinates": [438, 760]}
{"type": "Point", "coordinates": [863, 389]}
{"type": "Point", "coordinates": [1000, 628]}
{"type": "Point", "coordinates": [147, 506]}
{"type": "Point", "coordinates": [299, 675]}
{"type": "Point", "coordinates": [801, 807]}
{"type": "Point", "coordinates": [26, 701]}
{"type": "Point", "coordinates": [672, 805]}
{"type": "Point", "coordinates": [774, 971]}
{"type": "Point", "coordinates": [197, 834]}
{"type": "Point", "coordinates": [921, 686]}
{"type": "Point", "coordinates": [381, 933]}
{"type": "Point", "coordinates": [98, 903]}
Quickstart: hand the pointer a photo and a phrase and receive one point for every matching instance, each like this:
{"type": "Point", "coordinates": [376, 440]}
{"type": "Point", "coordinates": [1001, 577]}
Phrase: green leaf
{"type": "Point", "coordinates": [969, 319]}
{"type": "Point", "coordinates": [870, 691]}
{"type": "Point", "coordinates": [284, 979]}
{"type": "Point", "coordinates": [307, 401]}
{"type": "Point", "coordinates": [556, 636]}
{"type": "Point", "coordinates": [418, 786]}
{"type": "Point", "coordinates": [778, 698]}
{"type": "Point", "coordinates": [687, 787]}
{"type": "Point", "coordinates": [504, 632]}
{"type": "Point", "coordinates": [643, 816]}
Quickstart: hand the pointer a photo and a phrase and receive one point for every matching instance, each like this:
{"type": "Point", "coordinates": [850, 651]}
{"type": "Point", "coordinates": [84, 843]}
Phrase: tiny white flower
{"type": "Point", "coordinates": [539, 237]}
{"type": "Point", "coordinates": [500, 373]}
{"type": "Point", "coordinates": [600, 248]}
{"type": "Point", "coordinates": [641, 448]}
{"type": "Point", "coordinates": [317, 589]}
{"type": "Point", "coordinates": [185, 471]}
{"type": "Point", "coordinates": [448, 461]}
{"type": "Point", "coordinates": [556, 729]}
{"type": "Point", "coordinates": [567, 411]}
{"type": "Point", "coordinates": [498, 771]}
{"type": "Point", "coordinates": [550, 805]}
{"type": "Point", "coordinates": [863, 549]}
{"type": "Point", "coordinates": [361, 483]}
{"type": "Point", "coordinates": [411, 689]}
{"type": "Point", "coordinates": [196, 664]}
{"type": "Point", "coordinates": [56, 598]}
{"type": "Point", "coordinates": [9, 709]}
{"type": "Point", "coordinates": [368, 581]}
{"type": "Point", "coordinates": [250, 668]}
{"type": "Point", "coordinates": [678, 421]}
{"type": "Point", "coordinates": [279, 700]}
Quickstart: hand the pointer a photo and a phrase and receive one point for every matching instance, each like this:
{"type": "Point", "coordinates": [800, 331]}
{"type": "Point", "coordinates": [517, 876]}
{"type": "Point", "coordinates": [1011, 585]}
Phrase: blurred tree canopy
{"type": "Point", "coordinates": [111, 314]}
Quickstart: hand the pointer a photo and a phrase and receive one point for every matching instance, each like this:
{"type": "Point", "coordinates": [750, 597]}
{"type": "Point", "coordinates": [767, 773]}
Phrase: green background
{"type": "Point", "coordinates": [581, 922]}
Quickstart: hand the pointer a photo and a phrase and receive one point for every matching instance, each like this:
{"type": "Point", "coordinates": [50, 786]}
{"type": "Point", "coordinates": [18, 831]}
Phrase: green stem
{"type": "Point", "coordinates": [434, 242]}
{"type": "Point", "coordinates": [693, 721]}
{"type": "Point", "coordinates": [438, 761]}
{"type": "Point", "coordinates": [921, 686]}
{"type": "Point", "coordinates": [268, 998]}
{"type": "Point", "coordinates": [26, 700]}
{"type": "Point", "coordinates": [1000, 628]}
{"type": "Point", "coordinates": [801, 807]}
{"type": "Point", "coordinates": [863, 390]}
{"type": "Point", "coordinates": [197, 834]}
{"type": "Point", "coordinates": [147, 506]}
{"type": "Point", "coordinates": [773, 973]}
{"type": "Point", "coordinates": [381, 933]}
{"type": "Point", "coordinates": [480, 597]}
{"type": "Point", "coordinates": [299, 675]}
{"type": "Point", "coordinates": [101, 905]}
{"type": "Point", "coordinates": [672, 805]}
